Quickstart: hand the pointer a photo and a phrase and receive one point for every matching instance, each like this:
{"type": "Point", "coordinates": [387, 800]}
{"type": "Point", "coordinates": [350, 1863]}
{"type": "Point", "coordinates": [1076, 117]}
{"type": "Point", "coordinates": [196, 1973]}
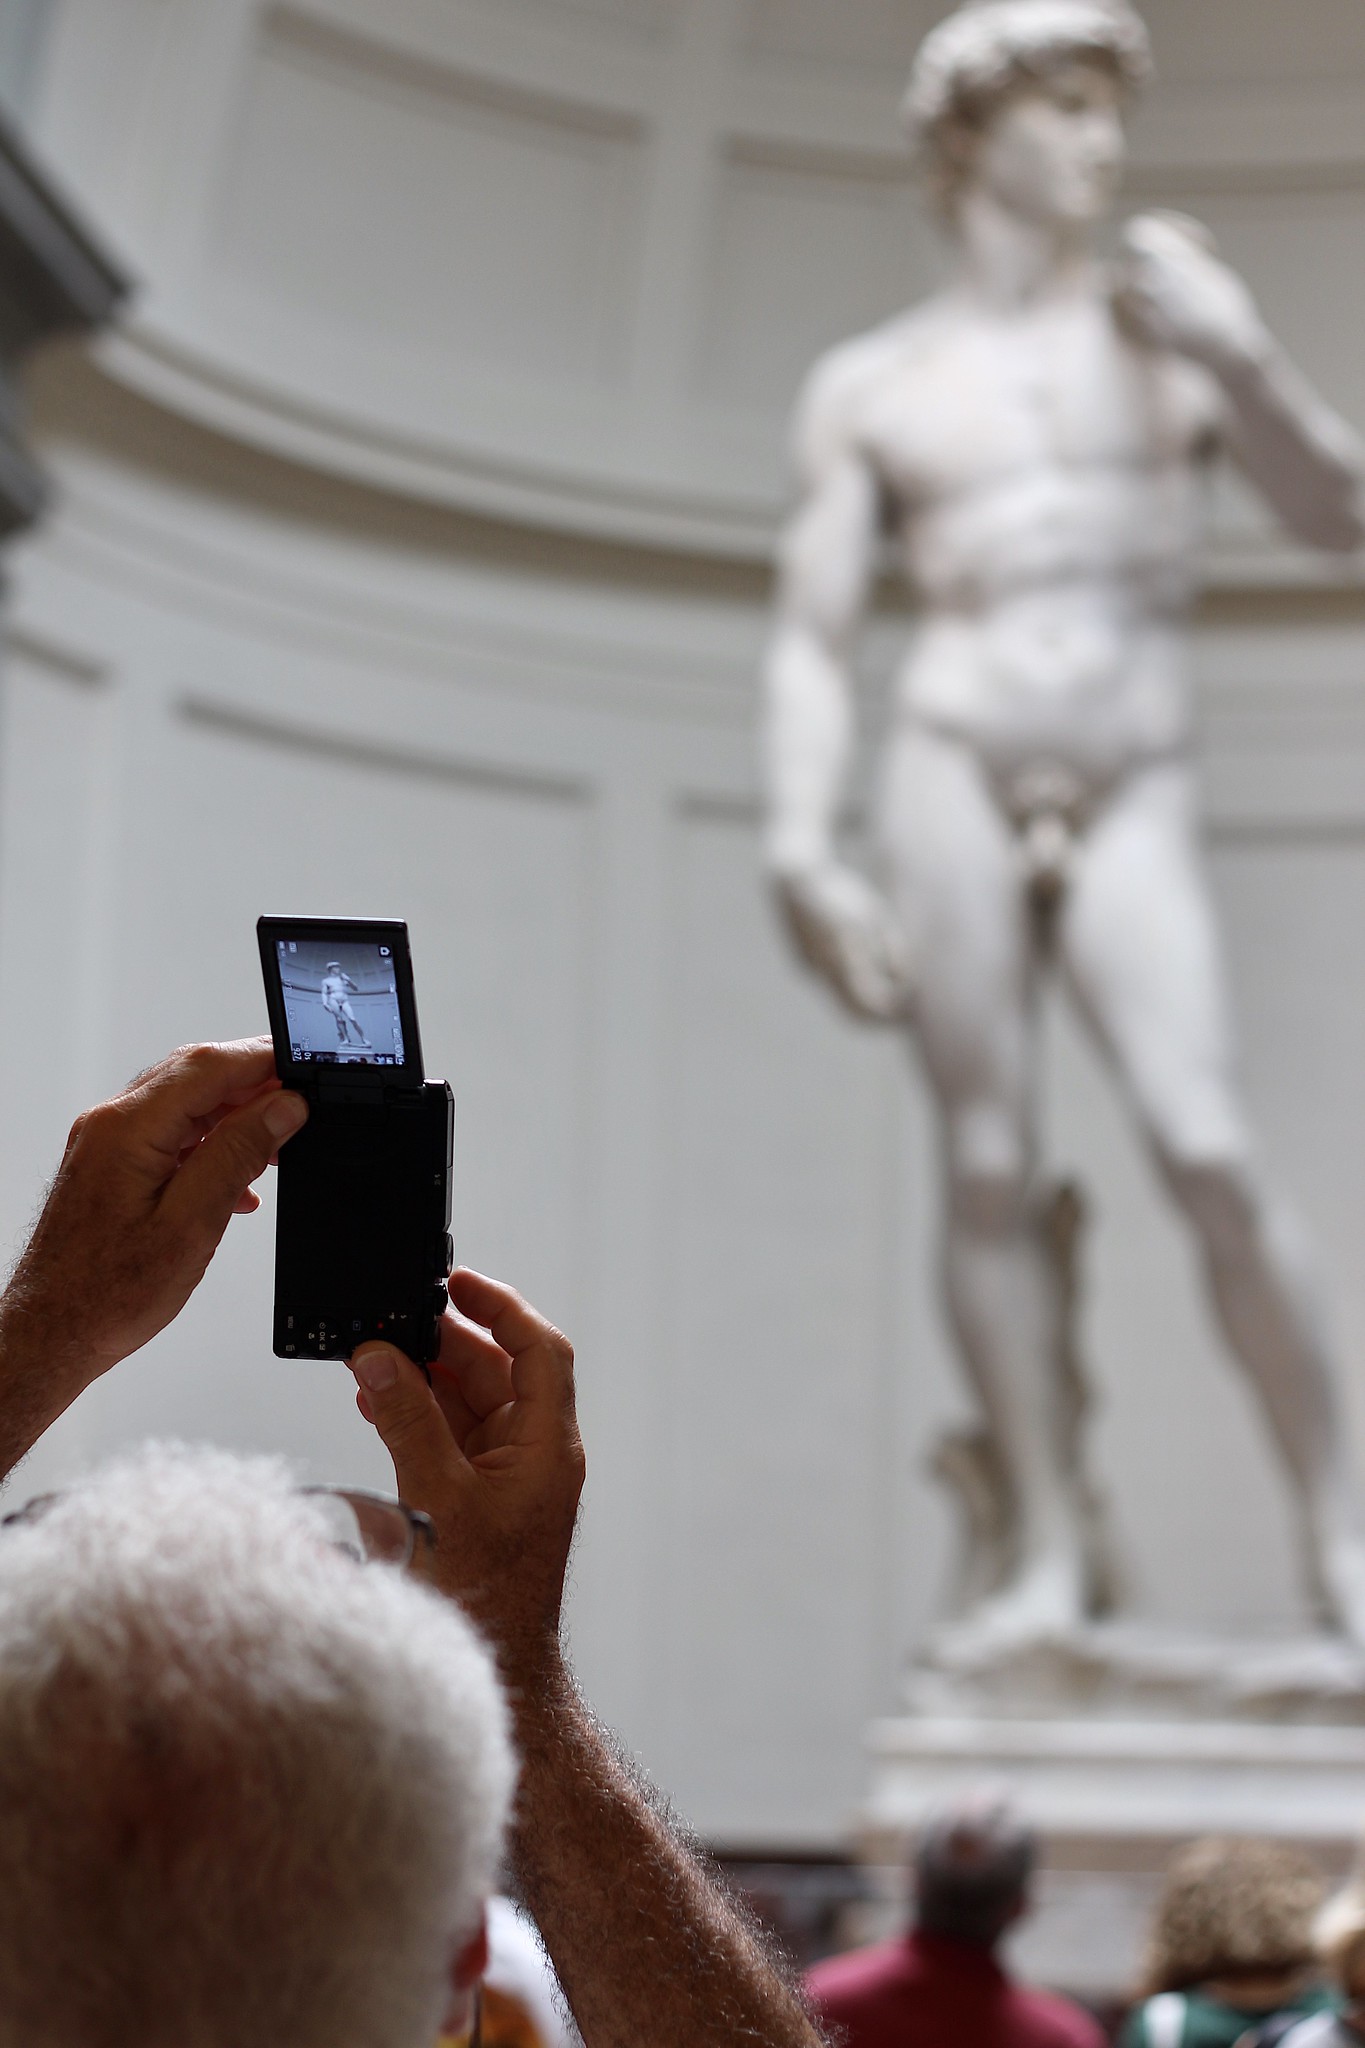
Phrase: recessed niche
{"type": "Point", "coordinates": [805, 253]}
{"type": "Point", "coordinates": [865, 35]}
{"type": "Point", "coordinates": [416, 206]}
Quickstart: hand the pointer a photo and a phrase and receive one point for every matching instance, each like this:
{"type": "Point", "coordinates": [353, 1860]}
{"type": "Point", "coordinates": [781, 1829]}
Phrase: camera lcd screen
{"type": "Point", "coordinates": [340, 1003]}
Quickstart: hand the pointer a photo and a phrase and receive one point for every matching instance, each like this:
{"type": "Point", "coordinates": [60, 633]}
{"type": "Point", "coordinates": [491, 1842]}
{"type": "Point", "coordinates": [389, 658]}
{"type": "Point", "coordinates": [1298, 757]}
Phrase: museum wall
{"type": "Point", "coordinates": [410, 556]}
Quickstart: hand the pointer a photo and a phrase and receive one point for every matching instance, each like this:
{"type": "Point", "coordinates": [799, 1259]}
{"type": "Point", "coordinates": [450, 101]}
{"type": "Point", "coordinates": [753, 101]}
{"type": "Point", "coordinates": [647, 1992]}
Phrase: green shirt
{"type": "Point", "coordinates": [1186, 2019]}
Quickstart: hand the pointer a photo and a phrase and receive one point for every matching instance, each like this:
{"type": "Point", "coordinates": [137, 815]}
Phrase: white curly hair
{"type": "Point", "coordinates": [250, 1791]}
{"type": "Point", "coordinates": [977, 51]}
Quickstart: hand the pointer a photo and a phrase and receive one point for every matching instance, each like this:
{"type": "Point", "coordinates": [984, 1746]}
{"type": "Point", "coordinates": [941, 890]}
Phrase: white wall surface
{"type": "Point", "coordinates": [23, 25]}
{"type": "Point", "coordinates": [563, 260]}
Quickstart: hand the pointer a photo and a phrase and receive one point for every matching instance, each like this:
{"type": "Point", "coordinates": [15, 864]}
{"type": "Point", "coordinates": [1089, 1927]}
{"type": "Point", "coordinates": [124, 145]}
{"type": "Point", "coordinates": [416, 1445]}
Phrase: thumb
{"type": "Point", "coordinates": [218, 1172]}
{"type": "Point", "coordinates": [407, 1415]}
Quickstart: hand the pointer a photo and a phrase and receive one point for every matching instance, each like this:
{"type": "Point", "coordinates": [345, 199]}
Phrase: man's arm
{"type": "Point", "coordinates": [827, 560]}
{"type": "Point", "coordinates": [648, 1946]}
{"type": "Point", "coordinates": [145, 1190]}
{"type": "Point", "coordinates": [650, 1951]}
{"type": "Point", "coordinates": [1300, 453]}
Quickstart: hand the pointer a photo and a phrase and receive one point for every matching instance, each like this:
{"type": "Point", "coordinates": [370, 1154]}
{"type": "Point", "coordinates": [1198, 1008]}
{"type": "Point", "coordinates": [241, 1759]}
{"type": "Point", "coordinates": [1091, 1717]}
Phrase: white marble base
{"type": "Point", "coordinates": [1145, 1780]}
{"type": "Point", "coordinates": [1111, 1798]}
{"type": "Point", "coordinates": [1121, 1670]}
{"type": "Point", "coordinates": [1119, 1743]}
{"type": "Point", "coordinates": [1087, 1932]}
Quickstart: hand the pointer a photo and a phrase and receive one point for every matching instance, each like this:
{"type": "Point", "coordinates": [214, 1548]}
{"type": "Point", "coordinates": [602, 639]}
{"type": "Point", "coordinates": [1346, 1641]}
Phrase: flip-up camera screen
{"type": "Point", "coordinates": [340, 1003]}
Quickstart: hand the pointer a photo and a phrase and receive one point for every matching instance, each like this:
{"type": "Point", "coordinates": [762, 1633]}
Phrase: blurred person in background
{"type": "Point", "coordinates": [1340, 1935]}
{"type": "Point", "coordinates": [943, 1985]}
{"type": "Point", "coordinates": [1232, 1946]}
{"type": "Point", "coordinates": [520, 2002]}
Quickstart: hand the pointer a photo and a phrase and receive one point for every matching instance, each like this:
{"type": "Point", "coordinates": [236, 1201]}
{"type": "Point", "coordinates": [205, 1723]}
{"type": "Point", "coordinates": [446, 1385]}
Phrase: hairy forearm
{"type": "Point", "coordinates": [650, 1951]}
{"type": "Point", "coordinates": [39, 1377]}
{"type": "Point", "coordinates": [1298, 451]}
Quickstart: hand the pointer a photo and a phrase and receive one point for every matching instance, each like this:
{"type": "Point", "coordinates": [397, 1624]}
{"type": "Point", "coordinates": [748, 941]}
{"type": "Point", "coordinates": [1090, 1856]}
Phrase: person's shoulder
{"type": "Point", "coordinates": [1132, 2032]}
{"type": "Point", "coordinates": [858, 1973]}
{"type": "Point", "coordinates": [1055, 2022]}
{"type": "Point", "coordinates": [847, 379]}
{"type": "Point", "coordinates": [1318, 2030]}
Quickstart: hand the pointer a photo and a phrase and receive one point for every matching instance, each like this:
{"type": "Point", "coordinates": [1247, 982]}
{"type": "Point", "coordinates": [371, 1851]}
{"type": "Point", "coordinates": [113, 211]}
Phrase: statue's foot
{"type": "Point", "coordinates": [1341, 1576]}
{"type": "Point", "coordinates": [1044, 1603]}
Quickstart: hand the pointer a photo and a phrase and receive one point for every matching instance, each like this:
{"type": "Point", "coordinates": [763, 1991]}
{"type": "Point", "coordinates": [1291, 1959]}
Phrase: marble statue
{"type": "Point", "coordinates": [1034, 443]}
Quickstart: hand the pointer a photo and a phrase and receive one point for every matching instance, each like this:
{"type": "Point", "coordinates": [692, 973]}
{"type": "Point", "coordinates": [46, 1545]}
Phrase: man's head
{"type": "Point", "coordinates": [1025, 97]}
{"type": "Point", "coordinates": [1234, 1909]}
{"type": "Point", "coordinates": [972, 1868]}
{"type": "Point", "coordinates": [1339, 1938]}
{"type": "Point", "coordinates": [250, 1790]}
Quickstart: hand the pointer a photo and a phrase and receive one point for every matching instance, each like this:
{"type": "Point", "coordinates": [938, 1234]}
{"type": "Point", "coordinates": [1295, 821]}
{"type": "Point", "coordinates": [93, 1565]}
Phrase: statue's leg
{"type": "Point", "coordinates": [1141, 949]}
{"type": "Point", "coordinates": [957, 880]}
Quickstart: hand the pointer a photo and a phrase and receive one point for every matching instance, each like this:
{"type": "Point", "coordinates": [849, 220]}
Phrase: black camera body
{"type": "Point", "coordinates": [362, 1235]}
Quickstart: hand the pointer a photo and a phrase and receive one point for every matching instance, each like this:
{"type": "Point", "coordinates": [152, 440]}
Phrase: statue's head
{"type": "Point", "coordinates": [1027, 98]}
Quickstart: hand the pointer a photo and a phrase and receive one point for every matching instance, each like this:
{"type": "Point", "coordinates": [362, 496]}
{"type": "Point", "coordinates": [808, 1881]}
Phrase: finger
{"type": "Point", "coordinates": [474, 1363]}
{"type": "Point", "coordinates": [241, 1064]}
{"type": "Point", "coordinates": [235, 1098]}
{"type": "Point", "coordinates": [211, 1183]}
{"type": "Point", "coordinates": [541, 1355]}
{"type": "Point", "coordinates": [427, 1462]}
{"type": "Point", "coordinates": [198, 1081]}
{"type": "Point", "coordinates": [461, 1420]}
{"type": "Point", "coordinates": [492, 1437]}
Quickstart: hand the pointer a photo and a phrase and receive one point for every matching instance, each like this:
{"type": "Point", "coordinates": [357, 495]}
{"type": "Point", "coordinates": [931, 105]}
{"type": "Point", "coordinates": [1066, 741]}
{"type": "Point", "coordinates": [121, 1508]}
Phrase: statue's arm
{"type": "Point", "coordinates": [828, 557]}
{"type": "Point", "coordinates": [1294, 447]}
{"type": "Point", "coordinates": [1297, 450]}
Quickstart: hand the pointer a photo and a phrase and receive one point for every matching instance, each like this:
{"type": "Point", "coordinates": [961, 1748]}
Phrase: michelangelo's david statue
{"type": "Point", "coordinates": [1034, 441]}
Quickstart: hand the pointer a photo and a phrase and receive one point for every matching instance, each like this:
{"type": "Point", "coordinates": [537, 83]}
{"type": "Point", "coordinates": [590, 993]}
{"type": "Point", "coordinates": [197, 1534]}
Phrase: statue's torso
{"type": "Point", "coordinates": [1044, 476]}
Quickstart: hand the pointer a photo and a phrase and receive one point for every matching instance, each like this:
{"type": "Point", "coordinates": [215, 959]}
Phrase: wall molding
{"type": "Point", "coordinates": [180, 377]}
{"type": "Point", "coordinates": [650, 454]}
{"type": "Point", "coordinates": [742, 529]}
{"type": "Point", "coordinates": [1281, 753]}
{"type": "Point", "coordinates": [216, 714]}
{"type": "Point", "coordinates": [324, 29]}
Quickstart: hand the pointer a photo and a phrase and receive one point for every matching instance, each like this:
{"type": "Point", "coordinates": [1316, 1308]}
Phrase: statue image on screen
{"type": "Point", "coordinates": [1034, 442]}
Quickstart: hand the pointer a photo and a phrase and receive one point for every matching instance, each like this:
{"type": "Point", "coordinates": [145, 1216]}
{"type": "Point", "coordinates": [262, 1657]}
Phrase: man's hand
{"type": "Point", "coordinates": [649, 1952]}
{"type": "Point", "coordinates": [1175, 292]}
{"type": "Point", "coordinates": [847, 933]}
{"type": "Point", "coordinates": [142, 1197]}
{"type": "Point", "coordinates": [491, 1451]}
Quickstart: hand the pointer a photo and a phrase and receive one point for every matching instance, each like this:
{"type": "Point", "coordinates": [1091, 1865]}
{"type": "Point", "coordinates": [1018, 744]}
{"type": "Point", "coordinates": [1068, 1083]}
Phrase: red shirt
{"type": "Point", "coordinates": [929, 1992]}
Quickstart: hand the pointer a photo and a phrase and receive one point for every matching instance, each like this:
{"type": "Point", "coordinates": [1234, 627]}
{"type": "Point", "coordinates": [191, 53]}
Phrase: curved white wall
{"type": "Point", "coordinates": [410, 554]}
{"type": "Point", "coordinates": [568, 261]}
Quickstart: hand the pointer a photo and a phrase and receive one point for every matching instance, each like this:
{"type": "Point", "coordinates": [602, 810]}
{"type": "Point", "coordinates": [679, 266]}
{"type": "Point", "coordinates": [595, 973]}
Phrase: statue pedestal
{"type": "Point", "coordinates": [1120, 1743]}
{"type": "Point", "coordinates": [1135, 1780]}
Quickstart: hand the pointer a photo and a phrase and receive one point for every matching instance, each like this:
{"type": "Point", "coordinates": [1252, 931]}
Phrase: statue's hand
{"type": "Point", "coordinates": [846, 931]}
{"type": "Point", "coordinates": [1173, 290]}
